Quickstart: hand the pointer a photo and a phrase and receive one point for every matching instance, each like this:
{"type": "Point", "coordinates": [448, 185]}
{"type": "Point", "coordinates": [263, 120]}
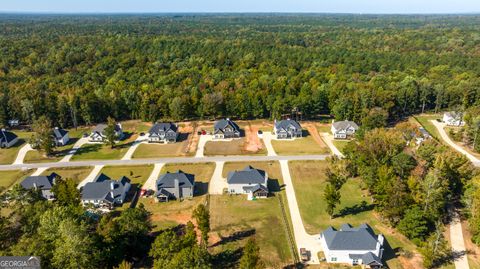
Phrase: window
{"type": "Point", "coordinates": [333, 259]}
{"type": "Point", "coordinates": [355, 261]}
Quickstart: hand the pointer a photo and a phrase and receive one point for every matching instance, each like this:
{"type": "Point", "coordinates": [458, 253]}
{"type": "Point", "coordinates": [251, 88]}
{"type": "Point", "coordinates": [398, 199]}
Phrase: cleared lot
{"type": "Point", "coordinates": [233, 147]}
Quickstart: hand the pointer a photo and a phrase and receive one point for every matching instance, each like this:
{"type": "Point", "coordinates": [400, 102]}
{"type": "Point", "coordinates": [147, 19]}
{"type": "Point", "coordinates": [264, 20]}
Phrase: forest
{"type": "Point", "coordinates": [82, 69]}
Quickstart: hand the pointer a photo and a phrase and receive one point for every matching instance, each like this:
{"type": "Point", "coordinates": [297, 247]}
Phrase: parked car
{"type": "Point", "coordinates": [142, 134]}
{"type": "Point", "coordinates": [85, 135]}
{"type": "Point", "coordinates": [304, 255]}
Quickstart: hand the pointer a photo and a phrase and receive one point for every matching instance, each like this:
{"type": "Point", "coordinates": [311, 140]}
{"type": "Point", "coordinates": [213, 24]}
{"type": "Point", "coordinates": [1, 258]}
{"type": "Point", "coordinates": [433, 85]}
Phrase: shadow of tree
{"type": "Point", "coordinates": [227, 259]}
{"type": "Point", "coordinates": [88, 148]}
{"type": "Point", "coordinates": [235, 237]}
{"type": "Point", "coordinates": [201, 188]}
{"type": "Point", "coordinates": [354, 210]}
{"type": "Point", "coordinates": [274, 185]}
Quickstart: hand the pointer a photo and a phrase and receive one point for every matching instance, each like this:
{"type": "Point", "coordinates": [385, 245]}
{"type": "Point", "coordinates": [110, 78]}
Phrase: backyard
{"type": "Point", "coordinates": [8, 155]}
{"type": "Point", "coordinates": [9, 178]}
{"type": "Point", "coordinates": [355, 208]}
{"type": "Point", "coordinates": [76, 173]}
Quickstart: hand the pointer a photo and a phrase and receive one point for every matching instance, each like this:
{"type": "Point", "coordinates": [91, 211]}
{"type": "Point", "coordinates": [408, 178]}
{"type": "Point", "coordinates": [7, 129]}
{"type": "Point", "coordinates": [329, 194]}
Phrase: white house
{"type": "Point", "coordinates": [98, 134]}
{"type": "Point", "coordinates": [355, 246]}
{"type": "Point", "coordinates": [343, 129]}
{"type": "Point", "coordinates": [453, 118]}
{"type": "Point", "coordinates": [250, 181]}
{"type": "Point", "coordinates": [7, 139]}
{"type": "Point", "coordinates": [104, 192]}
{"type": "Point", "coordinates": [60, 136]}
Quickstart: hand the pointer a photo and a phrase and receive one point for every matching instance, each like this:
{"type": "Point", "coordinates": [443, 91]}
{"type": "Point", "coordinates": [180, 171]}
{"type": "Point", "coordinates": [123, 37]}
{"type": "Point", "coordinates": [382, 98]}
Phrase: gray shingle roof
{"type": "Point", "coordinates": [367, 258]}
{"type": "Point", "coordinates": [286, 124]}
{"type": "Point", "coordinates": [255, 188]}
{"type": "Point", "coordinates": [248, 175]}
{"type": "Point", "coordinates": [168, 180]}
{"type": "Point", "coordinates": [7, 136]}
{"type": "Point", "coordinates": [221, 124]}
{"type": "Point", "coordinates": [455, 115]}
{"type": "Point", "coordinates": [162, 127]}
{"type": "Point", "coordinates": [59, 133]}
{"type": "Point", "coordinates": [348, 238]}
{"type": "Point", "coordinates": [100, 128]}
{"type": "Point", "coordinates": [342, 125]}
{"type": "Point", "coordinates": [101, 188]}
{"type": "Point", "coordinates": [41, 182]}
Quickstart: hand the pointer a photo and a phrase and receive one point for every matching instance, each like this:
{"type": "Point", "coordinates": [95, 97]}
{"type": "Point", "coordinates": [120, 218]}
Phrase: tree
{"type": "Point", "coordinates": [250, 256]}
{"type": "Point", "coordinates": [403, 163]}
{"type": "Point", "coordinates": [414, 225]}
{"type": "Point", "coordinates": [110, 134]}
{"type": "Point", "coordinates": [435, 249]}
{"type": "Point", "coordinates": [332, 198]}
{"type": "Point", "coordinates": [43, 136]}
{"type": "Point", "coordinates": [66, 192]}
{"type": "Point", "coordinates": [202, 217]}
{"type": "Point", "coordinates": [124, 265]}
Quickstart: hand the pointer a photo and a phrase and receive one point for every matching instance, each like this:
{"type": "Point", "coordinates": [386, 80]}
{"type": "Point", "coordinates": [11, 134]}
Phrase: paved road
{"type": "Point", "coordinates": [243, 158]}
{"type": "Point", "coordinates": [217, 182]}
{"type": "Point", "coordinates": [446, 138]}
{"type": "Point", "coordinates": [302, 238]}
{"type": "Point", "coordinates": [328, 138]}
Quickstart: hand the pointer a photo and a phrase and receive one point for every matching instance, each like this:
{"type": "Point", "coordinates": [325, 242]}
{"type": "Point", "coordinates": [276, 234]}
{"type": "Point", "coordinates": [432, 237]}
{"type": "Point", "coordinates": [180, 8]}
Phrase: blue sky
{"type": "Point", "coordinates": [336, 6]}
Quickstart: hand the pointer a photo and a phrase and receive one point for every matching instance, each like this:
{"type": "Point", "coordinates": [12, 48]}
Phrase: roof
{"type": "Point", "coordinates": [248, 175]}
{"type": "Point", "coordinates": [40, 182]}
{"type": "Point", "coordinates": [286, 124]}
{"type": "Point", "coordinates": [7, 136]}
{"type": "Point", "coordinates": [59, 133]}
{"type": "Point", "coordinates": [255, 188]}
{"type": "Point", "coordinates": [100, 128]}
{"type": "Point", "coordinates": [367, 258]}
{"type": "Point", "coordinates": [349, 238]}
{"type": "Point", "coordinates": [454, 115]}
{"type": "Point", "coordinates": [424, 132]}
{"type": "Point", "coordinates": [101, 188]}
{"type": "Point", "coordinates": [221, 124]}
{"type": "Point", "coordinates": [163, 127]}
{"type": "Point", "coordinates": [168, 180]}
{"type": "Point", "coordinates": [343, 125]}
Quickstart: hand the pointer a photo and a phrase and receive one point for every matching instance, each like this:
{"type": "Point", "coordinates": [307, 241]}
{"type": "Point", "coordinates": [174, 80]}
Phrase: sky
{"type": "Point", "coordinates": [172, 6]}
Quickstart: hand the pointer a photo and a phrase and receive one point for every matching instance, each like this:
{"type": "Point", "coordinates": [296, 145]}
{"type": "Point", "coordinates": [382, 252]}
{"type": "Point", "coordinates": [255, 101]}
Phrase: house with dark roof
{"type": "Point", "coordinates": [288, 128]}
{"type": "Point", "coordinates": [453, 118]}
{"type": "Point", "coordinates": [226, 128]}
{"type": "Point", "coordinates": [41, 183]}
{"type": "Point", "coordinates": [163, 133]}
{"type": "Point", "coordinates": [353, 245]}
{"type": "Point", "coordinates": [250, 181]}
{"type": "Point", "coordinates": [7, 139]}
{"type": "Point", "coordinates": [98, 134]}
{"type": "Point", "coordinates": [178, 185]}
{"type": "Point", "coordinates": [343, 129]}
{"type": "Point", "coordinates": [60, 136]}
{"type": "Point", "coordinates": [105, 192]}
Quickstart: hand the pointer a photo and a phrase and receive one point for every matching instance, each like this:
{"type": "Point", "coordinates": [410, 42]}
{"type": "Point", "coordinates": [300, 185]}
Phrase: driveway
{"type": "Point", "coordinates": [457, 241]}
{"type": "Point", "coordinates": [267, 139]}
{"type": "Point", "coordinates": [80, 142]}
{"type": "Point", "coordinates": [21, 154]}
{"type": "Point", "coordinates": [201, 145]}
{"type": "Point", "coordinates": [302, 238]}
{"type": "Point", "coordinates": [128, 155]}
{"type": "Point", "coordinates": [150, 183]}
{"type": "Point", "coordinates": [217, 182]}
{"type": "Point", "coordinates": [39, 171]}
{"type": "Point", "coordinates": [91, 177]}
{"type": "Point", "coordinates": [440, 127]}
{"type": "Point", "coordinates": [328, 138]}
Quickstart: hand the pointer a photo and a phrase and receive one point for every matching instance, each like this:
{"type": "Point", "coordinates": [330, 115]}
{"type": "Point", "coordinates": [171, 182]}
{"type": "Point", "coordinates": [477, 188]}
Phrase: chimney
{"type": "Point", "coordinates": [176, 190]}
{"type": "Point", "coordinates": [3, 130]}
{"type": "Point", "coordinates": [56, 128]}
{"type": "Point", "coordinates": [112, 185]}
{"type": "Point", "coordinates": [35, 185]}
{"type": "Point", "coordinates": [228, 119]}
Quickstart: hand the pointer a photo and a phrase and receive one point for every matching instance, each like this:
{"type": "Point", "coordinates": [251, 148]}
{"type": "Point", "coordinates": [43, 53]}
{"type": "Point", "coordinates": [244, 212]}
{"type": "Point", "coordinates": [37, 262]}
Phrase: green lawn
{"type": "Point", "coordinates": [154, 150]}
{"type": "Point", "coordinates": [136, 126]}
{"type": "Point", "coordinates": [7, 156]}
{"type": "Point", "coordinates": [233, 220]}
{"type": "Point", "coordinates": [355, 208]}
{"type": "Point", "coordinates": [76, 173]}
{"type": "Point", "coordinates": [9, 178]}
{"type": "Point", "coordinates": [340, 144]}
{"type": "Point", "coordinates": [233, 147]}
{"type": "Point", "coordinates": [300, 146]}
{"type": "Point", "coordinates": [424, 120]}
{"type": "Point", "coordinates": [104, 152]}
{"type": "Point", "coordinates": [137, 174]}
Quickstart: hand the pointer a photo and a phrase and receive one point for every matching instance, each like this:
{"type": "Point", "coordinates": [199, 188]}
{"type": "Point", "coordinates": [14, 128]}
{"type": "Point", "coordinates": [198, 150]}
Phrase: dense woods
{"type": "Point", "coordinates": [82, 69]}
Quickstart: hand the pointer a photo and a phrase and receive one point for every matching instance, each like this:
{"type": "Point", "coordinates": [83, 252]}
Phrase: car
{"type": "Point", "coordinates": [260, 132]}
{"type": "Point", "coordinates": [304, 255]}
{"type": "Point", "coordinates": [142, 134]}
{"type": "Point", "coordinates": [85, 135]}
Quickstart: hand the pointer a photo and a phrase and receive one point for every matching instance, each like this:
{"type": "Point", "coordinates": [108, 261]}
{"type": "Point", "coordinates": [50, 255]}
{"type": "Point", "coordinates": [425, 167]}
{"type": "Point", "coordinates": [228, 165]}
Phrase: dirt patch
{"type": "Point", "coordinates": [472, 249]}
{"type": "Point", "coordinates": [413, 263]}
{"type": "Point", "coordinates": [312, 130]}
{"type": "Point", "coordinates": [252, 142]}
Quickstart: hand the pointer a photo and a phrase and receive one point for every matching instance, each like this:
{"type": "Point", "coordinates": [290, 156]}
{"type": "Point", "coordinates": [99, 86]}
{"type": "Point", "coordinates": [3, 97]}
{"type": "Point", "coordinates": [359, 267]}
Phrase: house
{"type": "Point", "coordinates": [250, 181]}
{"type": "Point", "coordinates": [105, 192]}
{"type": "Point", "coordinates": [98, 134]}
{"type": "Point", "coordinates": [422, 136]}
{"type": "Point", "coordinates": [453, 118]}
{"type": "Point", "coordinates": [355, 246]}
{"type": "Point", "coordinates": [178, 185]}
{"type": "Point", "coordinates": [42, 183]}
{"type": "Point", "coordinates": [343, 129]}
{"type": "Point", "coordinates": [13, 122]}
{"type": "Point", "coordinates": [60, 136]}
{"type": "Point", "coordinates": [225, 129]}
{"type": "Point", "coordinates": [163, 133]}
{"type": "Point", "coordinates": [7, 139]}
{"type": "Point", "coordinates": [287, 129]}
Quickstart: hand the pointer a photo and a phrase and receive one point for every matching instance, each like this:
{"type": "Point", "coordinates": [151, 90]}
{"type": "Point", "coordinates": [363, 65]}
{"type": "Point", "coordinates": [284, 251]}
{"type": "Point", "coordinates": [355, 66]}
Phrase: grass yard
{"type": "Point", "coordinates": [9, 178]}
{"type": "Point", "coordinates": [136, 126]}
{"type": "Point", "coordinates": [340, 144]}
{"type": "Point", "coordinates": [76, 173]}
{"type": "Point", "coordinates": [324, 128]}
{"type": "Point", "coordinates": [154, 150]}
{"type": "Point", "coordinates": [137, 174]}
{"type": "Point", "coordinates": [99, 151]}
{"type": "Point", "coordinates": [233, 220]}
{"type": "Point", "coordinates": [424, 120]}
{"type": "Point", "coordinates": [7, 156]}
{"type": "Point", "coordinates": [355, 208]}
{"type": "Point", "coordinates": [233, 147]}
{"type": "Point", "coordinates": [300, 146]}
